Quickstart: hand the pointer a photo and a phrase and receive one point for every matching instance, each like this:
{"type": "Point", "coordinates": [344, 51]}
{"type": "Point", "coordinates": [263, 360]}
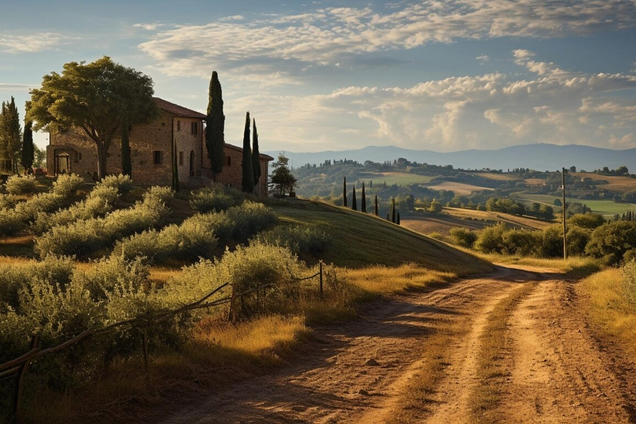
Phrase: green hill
{"type": "Point", "coordinates": [359, 239]}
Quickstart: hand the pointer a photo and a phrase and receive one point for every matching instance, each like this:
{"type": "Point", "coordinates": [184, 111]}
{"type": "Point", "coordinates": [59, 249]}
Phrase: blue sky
{"type": "Point", "coordinates": [336, 75]}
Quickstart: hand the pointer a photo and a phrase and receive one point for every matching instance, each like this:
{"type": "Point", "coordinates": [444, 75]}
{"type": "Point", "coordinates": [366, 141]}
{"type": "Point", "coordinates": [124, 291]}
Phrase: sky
{"type": "Point", "coordinates": [336, 75]}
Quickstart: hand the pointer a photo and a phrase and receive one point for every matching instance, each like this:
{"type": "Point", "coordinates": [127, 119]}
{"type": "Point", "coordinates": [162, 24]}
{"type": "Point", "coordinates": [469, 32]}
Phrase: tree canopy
{"type": "Point", "coordinates": [97, 98]}
{"type": "Point", "coordinates": [282, 176]}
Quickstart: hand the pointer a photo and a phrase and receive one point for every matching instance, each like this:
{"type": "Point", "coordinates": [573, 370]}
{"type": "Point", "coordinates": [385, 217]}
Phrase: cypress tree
{"type": "Point", "coordinates": [126, 161]}
{"type": "Point", "coordinates": [247, 183]}
{"type": "Point", "coordinates": [256, 160]}
{"type": "Point", "coordinates": [344, 192]}
{"type": "Point", "coordinates": [354, 203]}
{"type": "Point", "coordinates": [393, 210]}
{"type": "Point", "coordinates": [215, 127]}
{"type": "Point", "coordinates": [28, 151]}
{"type": "Point", "coordinates": [363, 201]}
{"type": "Point", "coordinates": [376, 209]}
{"type": "Point", "coordinates": [398, 219]}
{"type": "Point", "coordinates": [10, 136]}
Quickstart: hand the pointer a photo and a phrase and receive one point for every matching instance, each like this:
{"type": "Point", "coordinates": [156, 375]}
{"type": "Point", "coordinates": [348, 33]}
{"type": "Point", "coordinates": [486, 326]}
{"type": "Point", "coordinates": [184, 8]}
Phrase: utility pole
{"type": "Point", "coordinates": [565, 245]}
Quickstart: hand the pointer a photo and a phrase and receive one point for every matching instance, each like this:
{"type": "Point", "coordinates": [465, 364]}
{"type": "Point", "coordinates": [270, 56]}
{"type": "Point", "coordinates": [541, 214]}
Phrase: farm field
{"type": "Point", "coordinates": [614, 183]}
{"type": "Point", "coordinates": [458, 188]}
{"type": "Point", "coordinates": [466, 218]}
{"type": "Point", "coordinates": [399, 178]}
{"type": "Point", "coordinates": [607, 208]}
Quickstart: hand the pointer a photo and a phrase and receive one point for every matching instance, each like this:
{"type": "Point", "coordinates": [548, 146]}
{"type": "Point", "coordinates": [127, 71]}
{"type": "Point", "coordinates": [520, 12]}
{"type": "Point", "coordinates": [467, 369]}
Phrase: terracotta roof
{"type": "Point", "coordinates": [177, 110]}
{"type": "Point", "coordinates": [260, 156]}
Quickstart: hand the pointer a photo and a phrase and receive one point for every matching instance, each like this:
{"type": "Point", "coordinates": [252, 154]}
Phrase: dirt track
{"type": "Point", "coordinates": [358, 372]}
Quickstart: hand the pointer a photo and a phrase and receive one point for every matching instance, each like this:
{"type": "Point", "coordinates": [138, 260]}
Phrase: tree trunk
{"type": "Point", "coordinates": [101, 159]}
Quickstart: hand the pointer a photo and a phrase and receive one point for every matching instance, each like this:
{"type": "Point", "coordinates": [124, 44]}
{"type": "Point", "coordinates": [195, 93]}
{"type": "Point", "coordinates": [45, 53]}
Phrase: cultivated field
{"type": "Point", "coordinates": [399, 178]}
{"type": "Point", "coordinates": [458, 188]}
{"type": "Point", "coordinates": [607, 208]}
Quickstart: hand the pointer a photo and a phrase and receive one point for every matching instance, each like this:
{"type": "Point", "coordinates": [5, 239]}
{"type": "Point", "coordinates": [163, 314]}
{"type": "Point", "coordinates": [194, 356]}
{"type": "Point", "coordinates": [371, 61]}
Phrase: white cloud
{"type": "Point", "coordinates": [33, 43]}
{"type": "Point", "coordinates": [485, 111]}
{"type": "Point", "coordinates": [289, 44]}
{"type": "Point", "coordinates": [149, 27]}
{"type": "Point", "coordinates": [232, 18]}
{"type": "Point", "coordinates": [16, 87]}
{"type": "Point", "coordinates": [483, 57]}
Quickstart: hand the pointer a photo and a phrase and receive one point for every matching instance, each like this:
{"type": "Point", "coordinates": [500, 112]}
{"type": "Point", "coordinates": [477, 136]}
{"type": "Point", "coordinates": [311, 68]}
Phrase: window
{"type": "Point", "coordinates": [195, 128]}
{"type": "Point", "coordinates": [157, 157]}
{"type": "Point", "coordinates": [180, 158]}
{"type": "Point", "coordinates": [228, 161]}
{"type": "Point", "coordinates": [178, 125]}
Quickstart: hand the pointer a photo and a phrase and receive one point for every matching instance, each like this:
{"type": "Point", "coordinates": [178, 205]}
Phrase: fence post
{"type": "Point", "coordinates": [20, 379]}
{"type": "Point", "coordinates": [230, 315]}
{"type": "Point", "coordinates": [320, 263]}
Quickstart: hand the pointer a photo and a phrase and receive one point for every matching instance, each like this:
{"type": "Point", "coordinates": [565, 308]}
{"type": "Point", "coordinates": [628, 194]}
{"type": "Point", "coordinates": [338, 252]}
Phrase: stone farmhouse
{"type": "Point", "coordinates": [153, 148]}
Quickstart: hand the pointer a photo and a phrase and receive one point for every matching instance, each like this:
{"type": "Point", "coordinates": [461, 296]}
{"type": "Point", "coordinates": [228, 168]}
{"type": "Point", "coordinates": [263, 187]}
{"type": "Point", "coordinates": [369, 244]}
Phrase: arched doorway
{"type": "Point", "coordinates": [192, 163]}
{"type": "Point", "coordinates": [62, 163]}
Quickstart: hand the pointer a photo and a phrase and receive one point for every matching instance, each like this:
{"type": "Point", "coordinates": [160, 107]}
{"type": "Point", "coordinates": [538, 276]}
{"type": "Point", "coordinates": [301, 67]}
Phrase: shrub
{"type": "Point", "coordinates": [7, 201]}
{"type": "Point", "coordinates": [10, 222]}
{"type": "Point", "coordinates": [577, 239]}
{"type": "Point", "coordinates": [67, 184]}
{"type": "Point", "coordinates": [122, 183]}
{"type": "Point", "coordinates": [520, 242]}
{"type": "Point", "coordinates": [297, 239]}
{"type": "Point", "coordinates": [82, 238]}
{"type": "Point", "coordinates": [250, 218]}
{"type": "Point", "coordinates": [17, 184]}
{"type": "Point", "coordinates": [588, 220]}
{"type": "Point", "coordinates": [215, 198]}
{"type": "Point", "coordinates": [610, 241]}
{"type": "Point", "coordinates": [490, 239]}
{"type": "Point", "coordinates": [107, 273]}
{"type": "Point", "coordinates": [463, 237]}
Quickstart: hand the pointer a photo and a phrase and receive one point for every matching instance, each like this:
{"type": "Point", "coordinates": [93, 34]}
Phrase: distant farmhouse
{"type": "Point", "coordinates": [152, 151]}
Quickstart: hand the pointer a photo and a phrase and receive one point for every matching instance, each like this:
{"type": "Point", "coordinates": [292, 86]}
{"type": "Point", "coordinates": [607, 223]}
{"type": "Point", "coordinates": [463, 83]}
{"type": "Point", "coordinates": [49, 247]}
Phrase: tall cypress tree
{"type": "Point", "coordinates": [10, 136]}
{"type": "Point", "coordinates": [344, 192]}
{"type": "Point", "coordinates": [247, 183]}
{"type": "Point", "coordinates": [28, 150]}
{"type": "Point", "coordinates": [376, 209]}
{"type": "Point", "coordinates": [354, 202]}
{"type": "Point", "coordinates": [363, 201]}
{"type": "Point", "coordinates": [256, 155]}
{"type": "Point", "coordinates": [393, 210]}
{"type": "Point", "coordinates": [215, 127]}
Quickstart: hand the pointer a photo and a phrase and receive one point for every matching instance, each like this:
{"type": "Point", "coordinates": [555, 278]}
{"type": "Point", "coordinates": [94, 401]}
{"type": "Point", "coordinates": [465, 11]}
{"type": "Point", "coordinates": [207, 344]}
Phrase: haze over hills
{"type": "Point", "coordinates": [541, 157]}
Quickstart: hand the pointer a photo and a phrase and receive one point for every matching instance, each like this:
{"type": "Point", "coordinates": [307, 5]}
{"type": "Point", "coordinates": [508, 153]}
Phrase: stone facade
{"type": "Point", "coordinates": [152, 152]}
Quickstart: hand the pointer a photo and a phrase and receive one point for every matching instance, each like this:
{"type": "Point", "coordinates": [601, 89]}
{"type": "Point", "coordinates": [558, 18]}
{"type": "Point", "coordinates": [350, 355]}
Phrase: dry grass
{"type": "Point", "coordinates": [492, 352]}
{"type": "Point", "coordinates": [515, 221]}
{"type": "Point", "coordinates": [386, 280]}
{"type": "Point", "coordinates": [575, 266]}
{"type": "Point", "coordinates": [497, 176]}
{"type": "Point", "coordinates": [608, 309]}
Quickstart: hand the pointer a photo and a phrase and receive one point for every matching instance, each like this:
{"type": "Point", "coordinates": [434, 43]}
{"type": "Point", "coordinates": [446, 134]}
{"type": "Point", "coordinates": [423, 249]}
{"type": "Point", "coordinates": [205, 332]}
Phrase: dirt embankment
{"type": "Point", "coordinates": [552, 370]}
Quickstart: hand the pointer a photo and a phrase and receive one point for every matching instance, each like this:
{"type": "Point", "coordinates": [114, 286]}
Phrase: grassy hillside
{"type": "Point", "coordinates": [362, 239]}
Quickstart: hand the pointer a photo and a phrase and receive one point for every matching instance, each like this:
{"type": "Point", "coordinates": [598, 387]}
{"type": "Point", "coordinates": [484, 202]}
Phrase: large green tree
{"type": "Point", "coordinates": [256, 159]}
{"type": "Point", "coordinates": [10, 136]}
{"type": "Point", "coordinates": [99, 98]}
{"type": "Point", "coordinates": [247, 183]}
{"type": "Point", "coordinates": [215, 127]}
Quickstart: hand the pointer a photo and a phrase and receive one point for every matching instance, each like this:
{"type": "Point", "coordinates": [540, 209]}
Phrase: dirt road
{"type": "Point", "coordinates": [552, 369]}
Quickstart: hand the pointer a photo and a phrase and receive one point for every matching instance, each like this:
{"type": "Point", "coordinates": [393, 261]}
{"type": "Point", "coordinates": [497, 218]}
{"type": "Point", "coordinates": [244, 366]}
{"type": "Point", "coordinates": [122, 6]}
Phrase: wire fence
{"type": "Point", "coordinates": [18, 367]}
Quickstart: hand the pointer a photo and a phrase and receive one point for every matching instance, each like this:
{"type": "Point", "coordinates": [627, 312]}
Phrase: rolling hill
{"type": "Point", "coordinates": [541, 157]}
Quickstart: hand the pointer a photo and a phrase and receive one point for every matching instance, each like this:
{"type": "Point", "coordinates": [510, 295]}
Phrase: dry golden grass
{"type": "Point", "coordinates": [608, 309]}
{"type": "Point", "coordinates": [386, 280]}
{"type": "Point", "coordinates": [535, 181]}
{"type": "Point", "coordinates": [486, 394]}
{"type": "Point", "coordinates": [496, 176]}
{"type": "Point", "coordinates": [575, 266]}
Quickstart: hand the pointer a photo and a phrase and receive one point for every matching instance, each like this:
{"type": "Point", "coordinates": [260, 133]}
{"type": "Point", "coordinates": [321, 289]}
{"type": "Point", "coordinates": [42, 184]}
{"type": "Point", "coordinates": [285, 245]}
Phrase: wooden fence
{"type": "Point", "coordinates": [19, 366]}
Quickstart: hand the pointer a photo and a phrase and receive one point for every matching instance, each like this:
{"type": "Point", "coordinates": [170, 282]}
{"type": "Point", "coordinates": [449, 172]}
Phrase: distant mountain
{"type": "Point", "coordinates": [541, 157]}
